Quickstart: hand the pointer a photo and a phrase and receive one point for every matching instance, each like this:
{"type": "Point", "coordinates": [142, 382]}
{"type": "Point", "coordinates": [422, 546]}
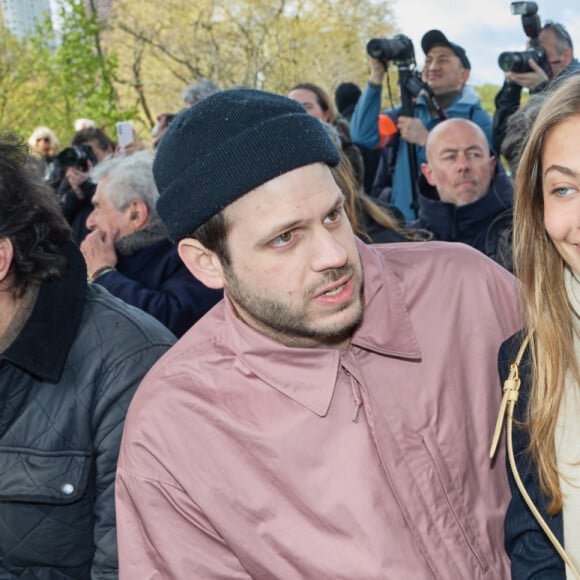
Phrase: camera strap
{"type": "Point", "coordinates": [511, 391]}
{"type": "Point", "coordinates": [434, 102]}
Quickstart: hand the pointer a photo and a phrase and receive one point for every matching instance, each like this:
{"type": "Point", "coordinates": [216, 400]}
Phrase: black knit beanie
{"type": "Point", "coordinates": [346, 96]}
{"type": "Point", "coordinates": [227, 145]}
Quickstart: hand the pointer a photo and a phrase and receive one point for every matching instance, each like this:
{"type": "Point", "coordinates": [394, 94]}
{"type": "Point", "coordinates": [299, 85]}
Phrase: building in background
{"type": "Point", "coordinates": [22, 16]}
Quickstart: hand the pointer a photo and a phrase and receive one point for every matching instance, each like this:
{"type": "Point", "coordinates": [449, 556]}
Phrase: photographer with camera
{"type": "Point", "coordinates": [88, 147]}
{"type": "Point", "coordinates": [445, 94]}
{"type": "Point", "coordinates": [548, 60]}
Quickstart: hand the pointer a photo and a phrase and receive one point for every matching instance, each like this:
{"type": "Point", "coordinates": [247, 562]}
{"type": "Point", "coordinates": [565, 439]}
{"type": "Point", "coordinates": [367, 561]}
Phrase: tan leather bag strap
{"type": "Point", "coordinates": [511, 391]}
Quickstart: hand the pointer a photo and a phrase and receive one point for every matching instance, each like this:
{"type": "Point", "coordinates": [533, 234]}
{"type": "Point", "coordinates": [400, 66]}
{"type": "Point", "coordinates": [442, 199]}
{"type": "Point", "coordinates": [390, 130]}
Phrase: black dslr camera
{"type": "Point", "coordinates": [77, 156]}
{"type": "Point", "coordinates": [398, 49]}
{"type": "Point", "coordinates": [518, 61]}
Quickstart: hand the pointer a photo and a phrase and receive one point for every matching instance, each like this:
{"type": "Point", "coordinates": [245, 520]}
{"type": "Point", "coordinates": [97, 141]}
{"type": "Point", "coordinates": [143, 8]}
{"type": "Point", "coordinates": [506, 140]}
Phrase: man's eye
{"type": "Point", "coordinates": [333, 216]}
{"type": "Point", "coordinates": [282, 240]}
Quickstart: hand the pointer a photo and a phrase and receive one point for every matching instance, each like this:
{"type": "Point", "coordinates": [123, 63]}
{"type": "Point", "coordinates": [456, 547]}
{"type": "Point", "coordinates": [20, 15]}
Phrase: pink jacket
{"type": "Point", "coordinates": [243, 458]}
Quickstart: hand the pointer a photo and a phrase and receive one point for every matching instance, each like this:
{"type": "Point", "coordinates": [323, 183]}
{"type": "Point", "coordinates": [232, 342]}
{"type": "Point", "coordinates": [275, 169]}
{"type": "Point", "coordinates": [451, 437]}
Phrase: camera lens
{"type": "Point", "coordinates": [506, 61]}
{"type": "Point", "coordinates": [375, 47]}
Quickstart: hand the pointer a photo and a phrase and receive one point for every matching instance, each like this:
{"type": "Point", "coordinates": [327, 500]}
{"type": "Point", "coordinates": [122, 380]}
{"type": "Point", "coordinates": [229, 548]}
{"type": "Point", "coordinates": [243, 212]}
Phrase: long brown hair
{"type": "Point", "coordinates": [357, 202]}
{"type": "Point", "coordinates": [548, 313]}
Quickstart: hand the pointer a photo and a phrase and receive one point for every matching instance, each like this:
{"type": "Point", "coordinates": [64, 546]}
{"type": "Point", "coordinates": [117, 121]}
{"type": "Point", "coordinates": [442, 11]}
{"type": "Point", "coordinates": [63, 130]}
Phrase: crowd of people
{"type": "Point", "coordinates": [251, 351]}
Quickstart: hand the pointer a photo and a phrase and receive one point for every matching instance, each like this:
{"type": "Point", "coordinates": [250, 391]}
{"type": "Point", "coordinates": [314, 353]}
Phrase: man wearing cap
{"type": "Point", "coordinates": [446, 72]}
{"type": "Point", "coordinates": [560, 64]}
{"type": "Point", "coordinates": [331, 417]}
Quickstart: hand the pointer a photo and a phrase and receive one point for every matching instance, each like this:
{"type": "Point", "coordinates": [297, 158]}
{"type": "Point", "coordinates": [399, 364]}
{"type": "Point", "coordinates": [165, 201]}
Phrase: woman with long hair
{"type": "Point", "coordinates": [43, 147]}
{"type": "Point", "coordinates": [546, 433]}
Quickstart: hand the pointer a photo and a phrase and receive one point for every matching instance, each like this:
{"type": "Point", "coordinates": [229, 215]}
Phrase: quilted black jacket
{"type": "Point", "coordinates": [65, 385]}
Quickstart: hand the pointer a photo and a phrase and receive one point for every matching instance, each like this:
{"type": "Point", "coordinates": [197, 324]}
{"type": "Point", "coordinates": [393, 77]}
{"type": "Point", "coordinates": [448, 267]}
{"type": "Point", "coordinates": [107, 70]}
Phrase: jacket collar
{"type": "Point", "coordinates": [444, 218]}
{"type": "Point", "coordinates": [308, 375]}
{"type": "Point", "coordinates": [42, 346]}
{"type": "Point", "coordinates": [148, 235]}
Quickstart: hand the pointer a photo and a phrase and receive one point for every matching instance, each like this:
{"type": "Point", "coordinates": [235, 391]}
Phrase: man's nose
{"type": "Point", "coordinates": [328, 252]}
{"type": "Point", "coordinates": [463, 163]}
{"type": "Point", "coordinates": [91, 223]}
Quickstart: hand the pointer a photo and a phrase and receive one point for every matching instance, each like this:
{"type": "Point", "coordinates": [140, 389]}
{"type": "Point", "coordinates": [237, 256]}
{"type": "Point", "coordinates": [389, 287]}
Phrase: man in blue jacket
{"type": "Point", "coordinates": [446, 72]}
{"type": "Point", "coordinates": [128, 251]}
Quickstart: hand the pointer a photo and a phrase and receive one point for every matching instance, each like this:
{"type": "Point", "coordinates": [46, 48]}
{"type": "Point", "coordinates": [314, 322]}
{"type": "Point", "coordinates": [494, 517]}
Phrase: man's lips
{"type": "Point", "coordinates": [335, 288]}
{"type": "Point", "coordinates": [465, 182]}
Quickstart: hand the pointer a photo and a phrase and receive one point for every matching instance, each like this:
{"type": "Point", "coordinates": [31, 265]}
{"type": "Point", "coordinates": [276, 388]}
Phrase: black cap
{"type": "Point", "coordinates": [437, 38]}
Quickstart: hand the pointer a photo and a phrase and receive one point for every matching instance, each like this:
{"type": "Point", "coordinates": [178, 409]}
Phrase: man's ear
{"type": "Point", "coordinates": [138, 214]}
{"type": "Point", "coordinates": [6, 256]}
{"type": "Point", "coordinates": [428, 174]}
{"type": "Point", "coordinates": [201, 262]}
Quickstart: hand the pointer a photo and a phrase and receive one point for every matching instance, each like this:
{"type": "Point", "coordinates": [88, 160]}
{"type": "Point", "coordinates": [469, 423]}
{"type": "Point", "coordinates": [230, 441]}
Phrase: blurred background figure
{"type": "Point", "coordinates": [198, 91]}
{"type": "Point", "coordinates": [346, 97]}
{"type": "Point", "coordinates": [128, 251]}
{"type": "Point", "coordinates": [191, 95]}
{"type": "Point", "coordinates": [43, 147]}
{"type": "Point", "coordinates": [372, 220]}
{"type": "Point", "coordinates": [318, 104]}
{"type": "Point", "coordinates": [560, 63]}
{"type": "Point", "coordinates": [81, 124]}
{"type": "Point", "coordinates": [518, 128]}
{"type": "Point", "coordinates": [89, 147]}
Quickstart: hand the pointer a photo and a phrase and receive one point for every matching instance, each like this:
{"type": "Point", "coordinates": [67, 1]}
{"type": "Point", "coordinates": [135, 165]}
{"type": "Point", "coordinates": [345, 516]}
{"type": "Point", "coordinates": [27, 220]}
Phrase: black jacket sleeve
{"type": "Point", "coordinates": [507, 102]}
{"type": "Point", "coordinates": [531, 553]}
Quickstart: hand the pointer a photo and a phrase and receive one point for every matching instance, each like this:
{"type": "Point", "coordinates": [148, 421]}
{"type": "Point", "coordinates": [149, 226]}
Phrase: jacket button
{"type": "Point", "coordinates": [67, 488]}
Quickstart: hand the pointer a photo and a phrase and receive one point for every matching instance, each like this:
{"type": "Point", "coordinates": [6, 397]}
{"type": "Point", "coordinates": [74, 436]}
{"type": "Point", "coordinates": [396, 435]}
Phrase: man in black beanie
{"type": "Point", "coordinates": [326, 419]}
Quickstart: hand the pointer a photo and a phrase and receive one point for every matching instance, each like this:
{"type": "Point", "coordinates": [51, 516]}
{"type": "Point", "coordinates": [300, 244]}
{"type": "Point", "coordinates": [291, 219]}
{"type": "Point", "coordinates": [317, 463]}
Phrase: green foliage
{"type": "Point", "coordinates": [135, 64]}
{"type": "Point", "coordinates": [82, 72]}
{"type": "Point", "coordinates": [16, 73]}
{"type": "Point", "coordinates": [487, 95]}
{"type": "Point", "coordinates": [54, 78]}
{"type": "Point", "coordinates": [268, 44]}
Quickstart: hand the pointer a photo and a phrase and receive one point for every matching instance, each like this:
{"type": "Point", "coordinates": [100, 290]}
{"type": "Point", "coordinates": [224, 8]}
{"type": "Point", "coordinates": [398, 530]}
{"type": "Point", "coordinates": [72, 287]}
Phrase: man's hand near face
{"type": "Point", "coordinates": [98, 248]}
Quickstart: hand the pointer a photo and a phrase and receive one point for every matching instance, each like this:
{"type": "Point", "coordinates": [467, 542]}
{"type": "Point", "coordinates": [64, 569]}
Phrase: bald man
{"type": "Point", "coordinates": [464, 194]}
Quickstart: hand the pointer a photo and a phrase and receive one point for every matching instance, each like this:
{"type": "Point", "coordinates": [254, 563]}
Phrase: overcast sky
{"type": "Point", "coordinates": [484, 28]}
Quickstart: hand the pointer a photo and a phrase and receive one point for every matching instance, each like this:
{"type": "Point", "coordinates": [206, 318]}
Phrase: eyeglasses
{"type": "Point", "coordinates": [45, 139]}
{"type": "Point", "coordinates": [560, 31]}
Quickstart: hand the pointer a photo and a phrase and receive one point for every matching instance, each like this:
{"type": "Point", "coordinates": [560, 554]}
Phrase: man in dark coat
{"type": "Point", "coordinates": [71, 358]}
{"type": "Point", "coordinates": [464, 194]}
{"type": "Point", "coordinates": [128, 251]}
{"type": "Point", "coordinates": [559, 64]}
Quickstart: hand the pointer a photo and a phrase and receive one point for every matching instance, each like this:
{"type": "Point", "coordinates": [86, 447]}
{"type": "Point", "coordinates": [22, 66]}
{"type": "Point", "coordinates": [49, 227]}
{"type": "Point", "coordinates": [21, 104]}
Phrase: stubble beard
{"type": "Point", "coordinates": [290, 325]}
